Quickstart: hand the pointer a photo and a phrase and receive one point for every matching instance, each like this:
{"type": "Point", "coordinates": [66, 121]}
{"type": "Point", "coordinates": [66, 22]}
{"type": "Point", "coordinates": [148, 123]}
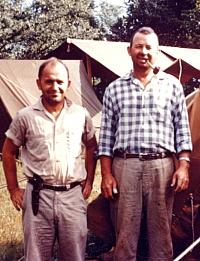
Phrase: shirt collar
{"type": "Point", "coordinates": [159, 76]}
{"type": "Point", "coordinates": [39, 106]}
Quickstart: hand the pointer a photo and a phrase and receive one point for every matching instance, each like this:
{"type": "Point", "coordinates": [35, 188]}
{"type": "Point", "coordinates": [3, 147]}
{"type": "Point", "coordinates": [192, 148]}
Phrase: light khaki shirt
{"type": "Point", "coordinates": [52, 148]}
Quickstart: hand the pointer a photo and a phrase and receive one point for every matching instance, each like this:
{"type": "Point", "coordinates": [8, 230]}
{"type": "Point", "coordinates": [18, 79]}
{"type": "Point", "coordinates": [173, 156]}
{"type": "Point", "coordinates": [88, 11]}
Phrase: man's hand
{"type": "Point", "coordinates": [180, 180]}
{"type": "Point", "coordinates": [16, 196]}
{"type": "Point", "coordinates": [109, 186]}
{"type": "Point", "coordinates": [87, 188]}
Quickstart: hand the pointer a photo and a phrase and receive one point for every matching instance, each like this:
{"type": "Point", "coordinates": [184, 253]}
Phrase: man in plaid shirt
{"type": "Point", "coordinates": [144, 123]}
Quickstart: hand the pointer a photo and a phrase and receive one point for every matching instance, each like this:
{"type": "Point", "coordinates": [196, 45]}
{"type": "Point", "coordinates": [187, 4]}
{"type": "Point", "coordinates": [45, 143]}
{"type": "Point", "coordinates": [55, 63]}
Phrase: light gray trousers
{"type": "Point", "coordinates": [61, 217]}
{"type": "Point", "coordinates": [144, 190]}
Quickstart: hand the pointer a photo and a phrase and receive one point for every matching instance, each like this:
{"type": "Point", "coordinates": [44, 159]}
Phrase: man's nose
{"type": "Point", "coordinates": [55, 85]}
{"type": "Point", "coordinates": [144, 50]}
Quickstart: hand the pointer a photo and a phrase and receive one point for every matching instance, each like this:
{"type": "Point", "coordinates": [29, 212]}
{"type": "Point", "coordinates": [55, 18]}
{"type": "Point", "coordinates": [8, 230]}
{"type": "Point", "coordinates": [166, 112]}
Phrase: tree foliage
{"type": "Point", "coordinates": [175, 21]}
{"type": "Point", "coordinates": [31, 31]}
{"type": "Point", "coordinates": [106, 16]}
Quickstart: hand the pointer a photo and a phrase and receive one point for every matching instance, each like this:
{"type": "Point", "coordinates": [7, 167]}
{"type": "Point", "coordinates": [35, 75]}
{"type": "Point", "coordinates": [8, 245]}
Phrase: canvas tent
{"type": "Point", "coordinates": [18, 89]}
{"type": "Point", "coordinates": [193, 106]}
{"type": "Point", "coordinates": [110, 59]}
{"type": "Point", "coordinates": [187, 203]}
{"type": "Point", "coordinates": [186, 64]}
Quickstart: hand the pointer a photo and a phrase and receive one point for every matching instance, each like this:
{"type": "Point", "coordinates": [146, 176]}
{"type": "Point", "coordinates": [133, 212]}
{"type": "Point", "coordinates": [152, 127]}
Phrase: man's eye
{"type": "Point", "coordinates": [49, 82]}
{"type": "Point", "coordinates": [138, 46]}
{"type": "Point", "coordinates": [60, 82]}
{"type": "Point", "coordinates": [148, 47]}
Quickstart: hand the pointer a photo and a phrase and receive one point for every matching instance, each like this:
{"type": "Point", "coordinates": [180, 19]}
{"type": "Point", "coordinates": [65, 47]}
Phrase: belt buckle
{"type": "Point", "coordinates": [67, 187]}
{"type": "Point", "coordinates": [162, 155]}
{"type": "Point", "coordinates": [142, 156]}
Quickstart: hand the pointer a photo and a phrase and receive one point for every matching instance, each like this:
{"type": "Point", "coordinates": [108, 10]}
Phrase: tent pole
{"type": "Point", "coordinates": [196, 242]}
{"type": "Point", "coordinates": [89, 68]}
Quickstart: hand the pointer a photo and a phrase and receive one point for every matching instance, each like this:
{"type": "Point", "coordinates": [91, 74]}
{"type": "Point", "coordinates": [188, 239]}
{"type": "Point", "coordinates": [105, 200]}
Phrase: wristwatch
{"type": "Point", "coordinates": [184, 158]}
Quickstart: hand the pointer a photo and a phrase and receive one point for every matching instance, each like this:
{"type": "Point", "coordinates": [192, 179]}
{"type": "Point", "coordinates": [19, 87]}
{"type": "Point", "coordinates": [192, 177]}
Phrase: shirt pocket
{"type": "Point", "coordinates": [40, 146]}
{"type": "Point", "coordinates": [158, 113]}
{"type": "Point", "coordinates": [160, 108]}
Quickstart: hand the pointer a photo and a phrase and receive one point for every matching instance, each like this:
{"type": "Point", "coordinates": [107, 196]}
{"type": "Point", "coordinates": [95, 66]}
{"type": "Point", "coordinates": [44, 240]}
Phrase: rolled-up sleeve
{"type": "Point", "coordinates": [181, 123]}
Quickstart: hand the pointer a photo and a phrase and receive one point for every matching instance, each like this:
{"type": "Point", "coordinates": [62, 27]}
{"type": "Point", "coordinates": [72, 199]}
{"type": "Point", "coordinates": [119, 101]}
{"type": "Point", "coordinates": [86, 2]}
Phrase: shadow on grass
{"type": "Point", "coordinates": [11, 252]}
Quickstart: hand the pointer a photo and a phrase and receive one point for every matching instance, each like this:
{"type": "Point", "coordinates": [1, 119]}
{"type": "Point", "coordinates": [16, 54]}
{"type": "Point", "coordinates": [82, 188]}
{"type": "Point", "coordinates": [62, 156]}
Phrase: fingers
{"type": "Point", "coordinates": [109, 187]}
{"type": "Point", "coordinates": [110, 191]}
{"type": "Point", "coordinates": [17, 202]}
{"type": "Point", "coordinates": [115, 193]}
{"type": "Point", "coordinates": [87, 188]}
{"type": "Point", "coordinates": [173, 181]}
{"type": "Point", "coordinates": [184, 184]}
{"type": "Point", "coordinates": [106, 191]}
{"type": "Point", "coordinates": [181, 184]}
{"type": "Point", "coordinates": [17, 198]}
{"type": "Point", "coordinates": [16, 205]}
{"type": "Point", "coordinates": [86, 193]}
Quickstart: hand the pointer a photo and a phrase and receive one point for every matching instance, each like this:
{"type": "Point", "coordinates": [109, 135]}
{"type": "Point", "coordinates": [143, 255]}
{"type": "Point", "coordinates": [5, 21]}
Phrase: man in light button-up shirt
{"type": "Point", "coordinates": [52, 134]}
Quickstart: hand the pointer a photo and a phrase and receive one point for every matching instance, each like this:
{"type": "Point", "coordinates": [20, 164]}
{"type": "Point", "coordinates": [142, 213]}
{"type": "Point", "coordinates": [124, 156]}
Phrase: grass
{"type": "Point", "coordinates": [11, 236]}
{"type": "Point", "coordinates": [11, 242]}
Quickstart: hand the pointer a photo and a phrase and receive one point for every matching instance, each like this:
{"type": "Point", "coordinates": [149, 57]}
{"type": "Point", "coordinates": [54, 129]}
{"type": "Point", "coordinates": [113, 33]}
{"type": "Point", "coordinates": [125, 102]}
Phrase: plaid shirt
{"type": "Point", "coordinates": [144, 120]}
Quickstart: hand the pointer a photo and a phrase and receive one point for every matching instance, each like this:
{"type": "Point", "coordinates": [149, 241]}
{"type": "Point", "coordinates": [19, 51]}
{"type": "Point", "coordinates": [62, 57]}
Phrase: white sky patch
{"type": "Point", "coordinates": [113, 2]}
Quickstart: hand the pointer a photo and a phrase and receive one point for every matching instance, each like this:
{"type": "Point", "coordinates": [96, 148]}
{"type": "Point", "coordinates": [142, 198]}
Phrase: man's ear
{"type": "Point", "coordinates": [38, 84]}
{"type": "Point", "coordinates": [69, 83]}
{"type": "Point", "coordinates": [158, 51]}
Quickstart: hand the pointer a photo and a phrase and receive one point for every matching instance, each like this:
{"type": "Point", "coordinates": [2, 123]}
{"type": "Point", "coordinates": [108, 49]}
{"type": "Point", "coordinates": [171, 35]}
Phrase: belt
{"type": "Point", "coordinates": [59, 187]}
{"type": "Point", "coordinates": [142, 156]}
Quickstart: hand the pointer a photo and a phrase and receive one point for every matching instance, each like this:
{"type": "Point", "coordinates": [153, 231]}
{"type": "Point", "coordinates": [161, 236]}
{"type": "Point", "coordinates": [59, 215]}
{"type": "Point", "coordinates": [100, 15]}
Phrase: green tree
{"type": "Point", "coordinates": [106, 16]}
{"type": "Point", "coordinates": [175, 21]}
{"type": "Point", "coordinates": [32, 31]}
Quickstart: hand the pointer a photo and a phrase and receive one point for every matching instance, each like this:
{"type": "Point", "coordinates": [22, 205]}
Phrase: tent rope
{"type": "Point", "coordinates": [19, 180]}
{"type": "Point", "coordinates": [192, 212]}
{"type": "Point", "coordinates": [5, 185]}
{"type": "Point", "coordinates": [180, 69]}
